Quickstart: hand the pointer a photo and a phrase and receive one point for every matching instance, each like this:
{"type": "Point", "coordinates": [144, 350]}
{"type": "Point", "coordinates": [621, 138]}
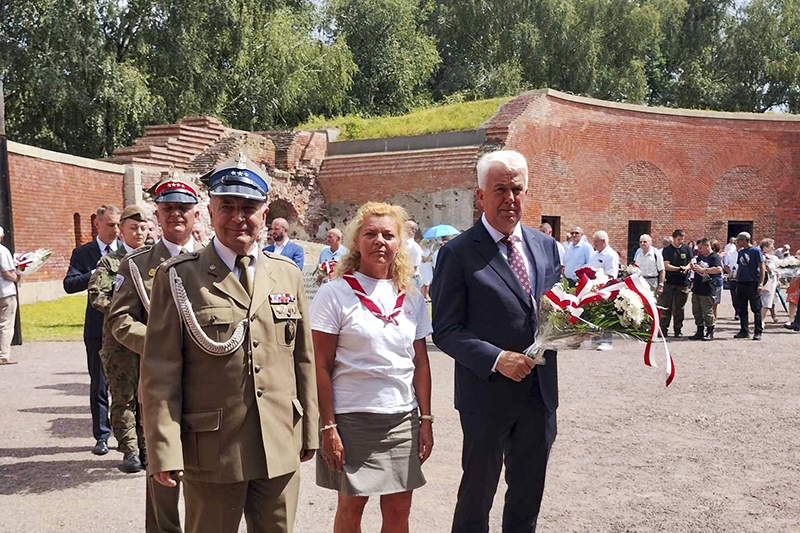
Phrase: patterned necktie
{"type": "Point", "coordinates": [517, 264]}
{"type": "Point", "coordinates": [108, 248]}
{"type": "Point", "coordinates": [242, 262]}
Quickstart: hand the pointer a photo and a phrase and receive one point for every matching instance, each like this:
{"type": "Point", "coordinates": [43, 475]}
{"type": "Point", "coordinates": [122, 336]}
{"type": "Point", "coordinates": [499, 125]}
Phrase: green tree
{"type": "Point", "coordinates": [394, 56]}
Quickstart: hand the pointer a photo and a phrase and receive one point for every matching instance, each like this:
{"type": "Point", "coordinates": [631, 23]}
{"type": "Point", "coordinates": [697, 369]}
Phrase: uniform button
{"type": "Point", "coordinates": [257, 368]}
{"type": "Point", "coordinates": [255, 344]}
{"type": "Point", "coordinates": [259, 393]}
{"type": "Point", "coordinates": [253, 318]}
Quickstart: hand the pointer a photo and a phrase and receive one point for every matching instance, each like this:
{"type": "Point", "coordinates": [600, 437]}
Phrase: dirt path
{"type": "Point", "coordinates": [719, 451]}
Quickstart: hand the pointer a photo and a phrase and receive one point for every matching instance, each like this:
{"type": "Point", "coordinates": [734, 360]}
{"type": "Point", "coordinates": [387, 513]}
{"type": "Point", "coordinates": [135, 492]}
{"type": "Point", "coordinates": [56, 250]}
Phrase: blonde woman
{"type": "Point", "coordinates": [369, 326]}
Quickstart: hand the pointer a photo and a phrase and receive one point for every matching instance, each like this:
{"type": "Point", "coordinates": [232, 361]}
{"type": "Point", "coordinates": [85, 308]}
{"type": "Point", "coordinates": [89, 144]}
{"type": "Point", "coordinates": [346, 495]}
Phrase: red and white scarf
{"type": "Point", "coordinates": [373, 308]}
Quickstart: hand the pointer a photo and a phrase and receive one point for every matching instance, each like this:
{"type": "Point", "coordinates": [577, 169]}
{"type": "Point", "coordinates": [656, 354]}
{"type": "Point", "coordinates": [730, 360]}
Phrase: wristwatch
{"type": "Point", "coordinates": [426, 417]}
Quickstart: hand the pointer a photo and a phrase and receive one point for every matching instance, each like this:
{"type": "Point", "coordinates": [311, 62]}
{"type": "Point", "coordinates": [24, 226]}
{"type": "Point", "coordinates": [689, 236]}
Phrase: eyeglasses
{"type": "Point", "coordinates": [574, 232]}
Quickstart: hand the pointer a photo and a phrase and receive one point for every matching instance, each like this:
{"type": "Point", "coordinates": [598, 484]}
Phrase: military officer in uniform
{"type": "Point", "coordinates": [228, 379]}
{"type": "Point", "coordinates": [176, 211]}
{"type": "Point", "coordinates": [120, 364]}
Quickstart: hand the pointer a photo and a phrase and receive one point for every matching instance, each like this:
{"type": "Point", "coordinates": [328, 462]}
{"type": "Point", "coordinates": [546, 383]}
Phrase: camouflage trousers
{"type": "Point", "coordinates": [122, 372]}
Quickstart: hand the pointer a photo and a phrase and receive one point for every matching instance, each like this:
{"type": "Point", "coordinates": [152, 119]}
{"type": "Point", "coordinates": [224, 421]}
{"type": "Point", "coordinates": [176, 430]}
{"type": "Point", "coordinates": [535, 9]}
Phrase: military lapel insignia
{"type": "Point", "coordinates": [151, 272]}
{"type": "Point", "coordinates": [118, 282]}
{"type": "Point", "coordinates": [282, 298]}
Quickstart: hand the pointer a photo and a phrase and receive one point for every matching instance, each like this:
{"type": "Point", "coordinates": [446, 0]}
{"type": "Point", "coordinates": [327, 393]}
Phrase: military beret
{"type": "Point", "coordinates": [135, 212]}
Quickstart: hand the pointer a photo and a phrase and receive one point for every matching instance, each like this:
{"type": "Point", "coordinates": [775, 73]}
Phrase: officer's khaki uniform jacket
{"type": "Point", "coordinates": [223, 419]}
{"type": "Point", "coordinates": [127, 317]}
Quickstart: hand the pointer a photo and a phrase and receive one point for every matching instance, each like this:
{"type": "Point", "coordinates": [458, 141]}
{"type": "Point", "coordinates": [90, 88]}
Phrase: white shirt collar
{"type": "Point", "coordinates": [228, 256]}
{"type": "Point", "coordinates": [114, 245]}
{"type": "Point", "coordinates": [496, 235]}
{"type": "Point", "coordinates": [175, 249]}
{"type": "Point", "coordinates": [128, 249]}
{"type": "Point", "coordinates": [651, 252]}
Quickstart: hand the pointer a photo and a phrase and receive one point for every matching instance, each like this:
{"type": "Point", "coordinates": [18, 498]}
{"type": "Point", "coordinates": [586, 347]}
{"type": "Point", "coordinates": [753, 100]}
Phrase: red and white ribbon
{"type": "Point", "coordinates": [586, 294]}
{"type": "Point", "coordinates": [373, 308]}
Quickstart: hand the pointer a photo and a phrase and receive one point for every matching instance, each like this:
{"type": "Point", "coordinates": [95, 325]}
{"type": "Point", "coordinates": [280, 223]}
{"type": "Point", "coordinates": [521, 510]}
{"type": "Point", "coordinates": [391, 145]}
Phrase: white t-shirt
{"type": "Point", "coordinates": [7, 287]}
{"type": "Point", "coordinates": [374, 367]}
{"type": "Point", "coordinates": [607, 261]}
{"type": "Point", "coordinates": [415, 251]}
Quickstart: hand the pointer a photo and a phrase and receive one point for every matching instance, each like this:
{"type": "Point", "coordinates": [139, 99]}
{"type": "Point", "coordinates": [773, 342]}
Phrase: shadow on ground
{"type": "Point", "coordinates": [73, 389]}
{"type": "Point", "coordinates": [33, 452]}
{"type": "Point", "coordinates": [38, 477]}
{"type": "Point", "coordinates": [71, 428]}
{"type": "Point", "coordinates": [58, 410]}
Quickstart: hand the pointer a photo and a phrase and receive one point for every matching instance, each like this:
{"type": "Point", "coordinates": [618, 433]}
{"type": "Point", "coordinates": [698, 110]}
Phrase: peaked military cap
{"type": "Point", "coordinates": [135, 212]}
{"type": "Point", "coordinates": [240, 177]}
{"type": "Point", "coordinates": [173, 189]}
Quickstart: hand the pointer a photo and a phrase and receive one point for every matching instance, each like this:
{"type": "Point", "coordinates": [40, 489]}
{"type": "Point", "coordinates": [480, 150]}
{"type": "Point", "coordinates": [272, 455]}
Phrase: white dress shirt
{"type": "Point", "coordinates": [228, 257]}
{"type": "Point", "coordinates": [113, 245]}
{"type": "Point", "coordinates": [279, 247]}
{"type": "Point", "coordinates": [175, 249]}
{"type": "Point", "coordinates": [128, 249]}
{"type": "Point", "coordinates": [650, 263]}
{"type": "Point", "coordinates": [520, 247]}
{"type": "Point", "coordinates": [607, 261]}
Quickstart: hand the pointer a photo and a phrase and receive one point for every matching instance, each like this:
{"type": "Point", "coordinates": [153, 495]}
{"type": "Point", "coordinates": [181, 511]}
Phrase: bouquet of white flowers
{"type": "Point", "coordinates": [27, 263]}
{"type": "Point", "coordinates": [599, 305]}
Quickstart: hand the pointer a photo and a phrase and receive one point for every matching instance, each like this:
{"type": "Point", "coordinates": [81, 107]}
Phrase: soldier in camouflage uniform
{"type": "Point", "coordinates": [176, 211]}
{"type": "Point", "coordinates": [121, 365]}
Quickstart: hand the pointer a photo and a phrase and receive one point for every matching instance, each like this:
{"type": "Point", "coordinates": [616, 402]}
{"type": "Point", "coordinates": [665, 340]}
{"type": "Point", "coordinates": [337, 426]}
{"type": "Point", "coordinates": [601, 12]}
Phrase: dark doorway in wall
{"type": "Point", "coordinates": [555, 223]}
{"type": "Point", "coordinates": [636, 228]}
{"type": "Point", "coordinates": [735, 227]}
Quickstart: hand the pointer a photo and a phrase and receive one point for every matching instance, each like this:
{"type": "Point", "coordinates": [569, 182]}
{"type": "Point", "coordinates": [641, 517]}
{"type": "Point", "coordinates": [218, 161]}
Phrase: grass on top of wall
{"type": "Point", "coordinates": [54, 320]}
{"type": "Point", "coordinates": [461, 116]}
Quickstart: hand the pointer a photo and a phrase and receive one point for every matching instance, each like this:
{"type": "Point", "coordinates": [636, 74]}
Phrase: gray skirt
{"type": "Point", "coordinates": [380, 454]}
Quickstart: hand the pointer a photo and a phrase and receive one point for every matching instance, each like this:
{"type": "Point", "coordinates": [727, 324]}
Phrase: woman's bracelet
{"type": "Point", "coordinates": [328, 427]}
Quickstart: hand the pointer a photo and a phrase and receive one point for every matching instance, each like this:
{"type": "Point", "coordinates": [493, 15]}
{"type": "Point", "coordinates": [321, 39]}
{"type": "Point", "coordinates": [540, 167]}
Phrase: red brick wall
{"type": "Point", "coordinates": [600, 167]}
{"type": "Point", "coordinates": [45, 196]}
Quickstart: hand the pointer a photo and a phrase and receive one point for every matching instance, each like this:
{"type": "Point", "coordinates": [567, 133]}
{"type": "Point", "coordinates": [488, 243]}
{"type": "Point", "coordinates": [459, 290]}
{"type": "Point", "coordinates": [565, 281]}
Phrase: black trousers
{"type": "Point", "coordinates": [747, 293]}
{"type": "Point", "coordinates": [522, 439]}
{"type": "Point", "coordinates": [734, 298]}
{"type": "Point", "coordinates": [98, 390]}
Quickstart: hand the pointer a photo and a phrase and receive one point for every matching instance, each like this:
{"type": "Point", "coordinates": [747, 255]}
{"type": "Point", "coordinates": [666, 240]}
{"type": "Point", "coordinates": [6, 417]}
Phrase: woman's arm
{"type": "Point", "coordinates": [325, 355]}
{"type": "Point", "coordinates": [422, 388]}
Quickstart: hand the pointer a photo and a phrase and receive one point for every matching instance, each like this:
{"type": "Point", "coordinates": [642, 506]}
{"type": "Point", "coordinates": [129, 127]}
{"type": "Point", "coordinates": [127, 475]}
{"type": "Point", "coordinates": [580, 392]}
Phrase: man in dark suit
{"type": "Point", "coordinates": [282, 245]}
{"type": "Point", "coordinates": [486, 290]}
{"type": "Point", "coordinates": [81, 266]}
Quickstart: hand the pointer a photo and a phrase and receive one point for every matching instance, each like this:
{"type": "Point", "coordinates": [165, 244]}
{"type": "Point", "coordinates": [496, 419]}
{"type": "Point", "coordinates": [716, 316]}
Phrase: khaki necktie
{"type": "Point", "coordinates": [242, 262]}
{"type": "Point", "coordinates": [183, 251]}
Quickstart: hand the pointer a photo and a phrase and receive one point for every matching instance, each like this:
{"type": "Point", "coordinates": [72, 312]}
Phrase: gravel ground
{"type": "Point", "coordinates": [718, 451]}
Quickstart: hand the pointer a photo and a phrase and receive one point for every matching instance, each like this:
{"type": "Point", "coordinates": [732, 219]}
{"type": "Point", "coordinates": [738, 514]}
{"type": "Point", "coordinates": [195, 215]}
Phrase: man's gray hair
{"type": "Point", "coordinates": [647, 238]}
{"type": "Point", "coordinates": [110, 209]}
{"type": "Point", "coordinates": [602, 235]}
{"type": "Point", "coordinates": [510, 160]}
{"type": "Point", "coordinates": [546, 227]}
{"type": "Point", "coordinates": [336, 232]}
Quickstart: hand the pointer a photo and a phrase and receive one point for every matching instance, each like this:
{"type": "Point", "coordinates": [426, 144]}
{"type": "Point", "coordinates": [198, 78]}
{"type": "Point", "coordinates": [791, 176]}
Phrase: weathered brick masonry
{"type": "Point", "coordinates": [598, 164]}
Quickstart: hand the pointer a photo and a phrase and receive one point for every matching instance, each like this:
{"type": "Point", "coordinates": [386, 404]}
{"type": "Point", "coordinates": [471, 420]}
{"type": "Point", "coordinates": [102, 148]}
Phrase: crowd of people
{"type": "Point", "coordinates": [223, 379]}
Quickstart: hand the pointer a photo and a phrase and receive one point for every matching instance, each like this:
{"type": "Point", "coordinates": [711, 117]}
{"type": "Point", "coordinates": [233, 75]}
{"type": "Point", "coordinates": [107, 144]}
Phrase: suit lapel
{"type": "Point", "coordinates": [491, 253]}
{"type": "Point", "coordinates": [224, 281]}
{"type": "Point", "coordinates": [535, 250]}
{"type": "Point", "coordinates": [262, 284]}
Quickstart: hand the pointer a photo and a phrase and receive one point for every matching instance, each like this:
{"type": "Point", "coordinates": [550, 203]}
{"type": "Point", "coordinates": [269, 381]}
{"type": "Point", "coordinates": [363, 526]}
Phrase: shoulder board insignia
{"type": "Point", "coordinates": [282, 298]}
{"type": "Point", "coordinates": [280, 257]}
{"type": "Point", "coordinates": [140, 251]}
{"type": "Point", "coordinates": [180, 258]}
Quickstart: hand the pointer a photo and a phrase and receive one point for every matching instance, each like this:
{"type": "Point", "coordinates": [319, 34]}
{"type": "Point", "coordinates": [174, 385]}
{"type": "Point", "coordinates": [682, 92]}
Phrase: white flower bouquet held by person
{"type": "Point", "coordinates": [27, 263]}
{"type": "Point", "coordinates": [632, 269]}
{"type": "Point", "coordinates": [594, 308]}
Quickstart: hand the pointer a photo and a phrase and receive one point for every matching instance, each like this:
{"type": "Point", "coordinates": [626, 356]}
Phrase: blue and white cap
{"type": "Point", "coordinates": [240, 177]}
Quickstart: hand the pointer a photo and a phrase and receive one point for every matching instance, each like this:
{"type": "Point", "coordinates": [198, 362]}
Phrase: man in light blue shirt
{"type": "Point", "coordinates": [333, 252]}
{"type": "Point", "coordinates": [576, 253]}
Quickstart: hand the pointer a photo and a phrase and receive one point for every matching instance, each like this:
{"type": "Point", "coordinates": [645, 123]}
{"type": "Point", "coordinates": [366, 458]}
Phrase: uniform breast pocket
{"type": "Point", "coordinates": [286, 317]}
{"type": "Point", "coordinates": [216, 322]}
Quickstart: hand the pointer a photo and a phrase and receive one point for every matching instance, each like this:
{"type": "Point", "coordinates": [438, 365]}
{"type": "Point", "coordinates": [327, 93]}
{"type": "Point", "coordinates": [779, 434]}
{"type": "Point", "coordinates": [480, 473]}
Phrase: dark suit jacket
{"type": "Point", "coordinates": [293, 251]}
{"type": "Point", "coordinates": [84, 259]}
{"type": "Point", "coordinates": [479, 309]}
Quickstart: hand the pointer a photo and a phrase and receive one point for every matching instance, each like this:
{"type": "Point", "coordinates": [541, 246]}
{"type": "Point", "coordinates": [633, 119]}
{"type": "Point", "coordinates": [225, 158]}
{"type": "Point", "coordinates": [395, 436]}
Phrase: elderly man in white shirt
{"type": "Point", "coordinates": [8, 302]}
{"type": "Point", "coordinates": [651, 263]}
{"type": "Point", "coordinates": [604, 258]}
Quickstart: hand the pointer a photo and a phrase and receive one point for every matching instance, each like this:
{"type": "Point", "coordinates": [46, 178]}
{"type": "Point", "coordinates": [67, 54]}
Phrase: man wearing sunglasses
{"type": "Point", "coordinates": [576, 254]}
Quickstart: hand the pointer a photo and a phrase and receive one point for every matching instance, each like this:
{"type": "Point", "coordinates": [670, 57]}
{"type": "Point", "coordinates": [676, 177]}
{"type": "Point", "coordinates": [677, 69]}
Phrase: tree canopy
{"type": "Point", "coordinates": [85, 76]}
